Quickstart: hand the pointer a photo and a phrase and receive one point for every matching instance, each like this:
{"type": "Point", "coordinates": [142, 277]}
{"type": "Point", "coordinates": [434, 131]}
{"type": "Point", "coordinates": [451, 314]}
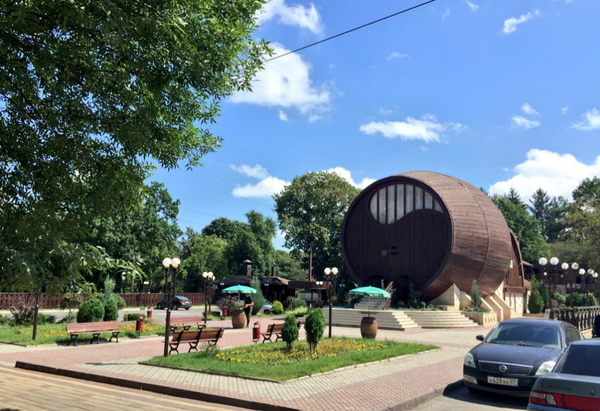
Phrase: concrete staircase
{"type": "Point", "coordinates": [386, 319]}
{"type": "Point", "coordinates": [440, 319]}
{"type": "Point", "coordinates": [373, 302]}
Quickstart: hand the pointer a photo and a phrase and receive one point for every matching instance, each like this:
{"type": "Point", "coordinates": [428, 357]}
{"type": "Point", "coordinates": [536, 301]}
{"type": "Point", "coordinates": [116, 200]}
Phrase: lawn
{"type": "Point", "coordinates": [57, 334]}
{"type": "Point", "coordinates": [273, 361]}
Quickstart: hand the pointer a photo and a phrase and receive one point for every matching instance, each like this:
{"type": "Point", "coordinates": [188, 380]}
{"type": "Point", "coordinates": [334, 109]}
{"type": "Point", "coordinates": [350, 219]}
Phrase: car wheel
{"type": "Point", "coordinates": [267, 312]}
{"type": "Point", "coordinates": [187, 308]}
{"type": "Point", "coordinates": [176, 307]}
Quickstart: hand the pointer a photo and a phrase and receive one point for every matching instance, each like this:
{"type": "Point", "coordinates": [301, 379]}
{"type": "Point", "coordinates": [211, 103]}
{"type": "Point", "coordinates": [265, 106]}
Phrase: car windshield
{"type": "Point", "coordinates": [181, 298]}
{"type": "Point", "coordinates": [267, 302]}
{"type": "Point", "coordinates": [526, 335]}
{"type": "Point", "coordinates": [580, 360]}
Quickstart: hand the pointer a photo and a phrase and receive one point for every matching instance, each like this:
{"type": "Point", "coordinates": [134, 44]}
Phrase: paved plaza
{"type": "Point", "coordinates": [393, 384]}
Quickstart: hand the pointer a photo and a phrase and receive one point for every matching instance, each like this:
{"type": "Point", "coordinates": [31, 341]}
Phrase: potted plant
{"type": "Point", "coordinates": [238, 316]}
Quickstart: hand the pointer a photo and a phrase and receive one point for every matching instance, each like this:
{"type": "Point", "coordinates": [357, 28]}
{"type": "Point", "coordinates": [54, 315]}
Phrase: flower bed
{"type": "Point", "coordinates": [273, 361]}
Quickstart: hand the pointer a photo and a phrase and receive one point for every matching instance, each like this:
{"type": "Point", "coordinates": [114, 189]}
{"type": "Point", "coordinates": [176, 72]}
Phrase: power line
{"type": "Point", "coordinates": [351, 30]}
{"type": "Point", "coordinates": [199, 212]}
{"type": "Point", "coordinates": [223, 192]}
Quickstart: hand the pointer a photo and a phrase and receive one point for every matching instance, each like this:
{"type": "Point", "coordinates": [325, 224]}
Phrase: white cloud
{"type": "Point", "coordinates": [527, 109]}
{"type": "Point", "coordinates": [474, 7]}
{"type": "Point", "coordinates": [295, 15]}
{"type": "Point", "coordinates": [557, 174]}
{"type": "Point", "coordinates": [384, 111]}
{"type": "Point", "coordinates": [428, 129]}
{"type": "Point", "coordinates": [347, 175]}
{"type": "Point", "coordinates": [519, 121]}
{"type": "Point", "coordinates": [397, 55]}
{"type": "Point", "coordinates": [446, 13]}
{"type": "Point", "coordinates": [283, 116]}
{"type": "Point", "coordinates": [510, 25]}
{"type": "Point", "coordinates": [314, 117]}
{"type": "Point", "coordinates": [591, 122]}
{"type": "Point", "coordinates": [255, 172]}
{"type": "Point", "coordinates": [563, 110]}
{"type": "Point", "coordinates": [285, 83]}
{"type": "Point", "coordinates": [266, 187]}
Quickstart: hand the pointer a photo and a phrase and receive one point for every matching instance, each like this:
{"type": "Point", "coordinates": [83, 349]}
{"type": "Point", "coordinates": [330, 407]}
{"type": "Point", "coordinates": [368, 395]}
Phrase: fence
{"type": "Point", "coordinates": [580, 317]}
{"type": "Point", "coordinates": [8, 300]}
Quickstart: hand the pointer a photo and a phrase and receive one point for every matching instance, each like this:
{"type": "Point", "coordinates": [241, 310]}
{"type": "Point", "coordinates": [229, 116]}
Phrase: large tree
{"type": "Point", "coordinates": [94, 93]}
{"type": "Point", "coordinates": [201, 253]}
{"type": "Point", "coordinates": [310, 212]}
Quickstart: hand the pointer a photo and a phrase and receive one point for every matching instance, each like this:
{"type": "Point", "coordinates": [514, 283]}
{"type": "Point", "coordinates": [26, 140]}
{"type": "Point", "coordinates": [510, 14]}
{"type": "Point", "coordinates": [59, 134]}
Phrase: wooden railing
{"type": "Point", "coordinates": [580, 317]}
{"type": "Point", "coordinates": [388, 303]}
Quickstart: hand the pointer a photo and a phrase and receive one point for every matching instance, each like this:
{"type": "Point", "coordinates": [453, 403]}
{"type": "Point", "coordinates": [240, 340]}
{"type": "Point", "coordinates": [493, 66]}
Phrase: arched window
{"type": "Point", "coordinates": [390, 203]}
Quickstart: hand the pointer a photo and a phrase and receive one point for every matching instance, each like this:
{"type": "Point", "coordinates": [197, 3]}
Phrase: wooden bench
{"type": "Point", "coordinates": [186, 323]}
{"type": "Point", "coordinates": [77, 329]}
{"type": "Point", "coordinates": [195, 337]}
{"type": "Point", "coordinates": [275, 328]}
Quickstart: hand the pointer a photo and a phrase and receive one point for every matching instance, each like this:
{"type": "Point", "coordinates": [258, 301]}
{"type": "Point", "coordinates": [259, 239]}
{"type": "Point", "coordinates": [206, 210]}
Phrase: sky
{"type": "Point", "coordinates": [498, 93]}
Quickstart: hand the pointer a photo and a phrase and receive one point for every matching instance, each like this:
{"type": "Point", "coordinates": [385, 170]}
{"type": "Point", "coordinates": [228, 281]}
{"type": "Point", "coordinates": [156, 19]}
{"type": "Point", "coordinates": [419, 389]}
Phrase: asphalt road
{"type": "Point", "coordinates": [28, 390]}
{"type": "Point", "coordinates": [456, 397]}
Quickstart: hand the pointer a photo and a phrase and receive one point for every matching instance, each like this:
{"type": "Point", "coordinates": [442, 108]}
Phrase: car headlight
{"type": "Point", "coordinates": [469, 360]}
{"type": "Point", "coordinates": [545, 368]}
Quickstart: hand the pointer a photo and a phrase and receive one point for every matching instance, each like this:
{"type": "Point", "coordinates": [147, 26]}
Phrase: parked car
{"type": "Point", "coordinates": [515, 353]}
{"type": "Point", "coordinates": [574, 384]}
{"type": "Point", "coordinates": [178, 302]}
{"type": "Point", "coordinates": [266, 308]}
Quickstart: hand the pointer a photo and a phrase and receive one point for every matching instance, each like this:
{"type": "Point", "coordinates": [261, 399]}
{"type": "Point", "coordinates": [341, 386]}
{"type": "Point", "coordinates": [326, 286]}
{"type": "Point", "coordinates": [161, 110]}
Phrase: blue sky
{"type": "Point", "coordinates": [499, 93]}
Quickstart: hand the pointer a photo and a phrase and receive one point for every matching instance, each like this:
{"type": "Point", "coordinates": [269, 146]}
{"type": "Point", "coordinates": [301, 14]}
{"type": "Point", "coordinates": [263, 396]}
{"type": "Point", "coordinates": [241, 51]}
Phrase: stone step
{"type": "Point", "coordinates": [385, 319]}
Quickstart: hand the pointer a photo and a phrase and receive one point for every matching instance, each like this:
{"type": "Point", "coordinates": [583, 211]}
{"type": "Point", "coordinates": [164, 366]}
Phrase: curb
{"type": "Point", "coordinates": [159, 389]}
{"type": "Point", "coordinates": [423, 398]}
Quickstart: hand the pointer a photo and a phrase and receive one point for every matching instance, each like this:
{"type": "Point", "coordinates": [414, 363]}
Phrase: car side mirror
{"type": "Point", "coordinates": [479, 338]}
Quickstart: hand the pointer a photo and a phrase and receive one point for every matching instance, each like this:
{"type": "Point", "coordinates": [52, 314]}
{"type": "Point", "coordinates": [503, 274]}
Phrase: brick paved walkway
{"type": "Point", "coordinates": [369, 387]}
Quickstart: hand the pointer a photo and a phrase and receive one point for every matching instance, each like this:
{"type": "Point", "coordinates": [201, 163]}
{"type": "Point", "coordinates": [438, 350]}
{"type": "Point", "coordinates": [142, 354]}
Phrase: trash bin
{"type": "Point", "coordinates": [256, 332]}
{"type": "Point", "coordinates": [139, 326]}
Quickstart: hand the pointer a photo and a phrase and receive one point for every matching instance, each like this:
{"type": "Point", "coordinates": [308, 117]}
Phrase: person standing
{"type": "Point", "coordinates": [248, 304]}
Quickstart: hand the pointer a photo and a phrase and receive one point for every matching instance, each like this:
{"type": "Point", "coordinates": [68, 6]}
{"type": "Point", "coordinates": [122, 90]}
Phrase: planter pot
{"type": "Point", "coordinates": [238, 319]}
{"type": "Point", "coordinates": [368, 327]}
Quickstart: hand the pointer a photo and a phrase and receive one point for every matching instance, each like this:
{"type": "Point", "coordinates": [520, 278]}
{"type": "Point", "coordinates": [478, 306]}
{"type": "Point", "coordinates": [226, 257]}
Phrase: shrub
{"type": "Point", "coordinates": [289, 333]}
{"type": "Point", "coordinates": [120, 301]}
{"type": "Point", "coordinates": [422, 305]}
{"type": "Point", "coordinates": [71, 300]}
{"type": "Point", "coordinates": [292, 303]}
{"type": "Point", "coordinates": [92, 310]}
{"type": "Point", "coordinates": [476, 299]}
{"type": "Point", "coordinates": [133, 316]}
{"type": "Point", "coordinates": [4, 320]}
{"type": "Point", "coordinates": [22, 315]}
{"type": "Point", "coordinates": [109, 288]}
{"type": "Point", "coordinates": [258, 298]}
{"type": "Point", "coordinates": [536, 302]}
{"type": "Point", "coordinates": [277, 308]}
{"type": "Point", "coordinates": [69, 318]}
{"type": "Point", "coordinates": [593, 302]}
{"type": "Point", "coordinates": [413, 297]}
{"type": "Point", "coordinates": [111, 312]}
{"type": "Point", "coordinates": [46, 318]}
{"type": "Point", "coordinates": [560, 299]}
{"type": "Point", "coordinates": [314, 327]}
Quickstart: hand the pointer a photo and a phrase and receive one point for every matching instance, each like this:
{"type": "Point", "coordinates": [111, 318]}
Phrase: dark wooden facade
{"type": "Point", "coordinates": [428, 229]}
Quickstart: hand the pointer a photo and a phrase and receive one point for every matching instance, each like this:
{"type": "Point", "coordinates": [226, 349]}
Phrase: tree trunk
{"type": "Point", "coordinates": [309, 266]}
{"type": "Point", "coordinates": [35, 315]}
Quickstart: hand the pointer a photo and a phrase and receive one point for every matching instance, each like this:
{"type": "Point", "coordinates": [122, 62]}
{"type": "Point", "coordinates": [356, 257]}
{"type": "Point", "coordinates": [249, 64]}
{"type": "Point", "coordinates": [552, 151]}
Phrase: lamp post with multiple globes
{"type": "Point", "coordinates": [209, 278]}
{"type": "Point", "coordinates": [171, 267]}
{"type": "Point", "coordinates": [331, 275]}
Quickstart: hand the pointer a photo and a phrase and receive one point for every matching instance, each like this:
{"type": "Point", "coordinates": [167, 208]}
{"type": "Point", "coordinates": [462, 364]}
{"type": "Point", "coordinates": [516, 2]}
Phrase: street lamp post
{"type": "Point", "coordinates": [319, 285]}
{"type": "Point", "coordinates": [171, 267]}
{"type": "Point", "coordinates": [553, 275]}
{"type": "Point", "coordinates": [331, 275]}
{"type": "Point", "coordinates": [209, 277]}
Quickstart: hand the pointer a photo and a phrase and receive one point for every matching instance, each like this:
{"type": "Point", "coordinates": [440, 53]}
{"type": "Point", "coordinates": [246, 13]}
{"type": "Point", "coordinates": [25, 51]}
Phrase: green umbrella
{"type": "Point", "coordinates": [239, 289]}
{"type": "Point", "coordinates": [370, 292]}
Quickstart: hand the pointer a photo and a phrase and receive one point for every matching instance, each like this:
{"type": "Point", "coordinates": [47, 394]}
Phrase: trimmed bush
{"type": "Point", "coordinates": [560, 299]}
{"type": "Point", "coordinates": [111, 312]}
{"type": "Point", "coordinates": [133, 316]}
{"type": "Point", "coordinates": [277, 308]}
{"type": "Point", "coordinates": [120, 301]}
{"type": "Point", "coordinates": [258, 298]}
{"type": "Point", "coordinates": [46, 318]}
{"type": "Point", "coordinates": [91, 310]}
{"type": "Point", "coordinates": [536, 302]}
{"type": "Point", "coordinates": [314, 327]}
{"type": "Point", "coordinates": [289, 333]}
{"type": "Point", "coordinates": [292, 303]}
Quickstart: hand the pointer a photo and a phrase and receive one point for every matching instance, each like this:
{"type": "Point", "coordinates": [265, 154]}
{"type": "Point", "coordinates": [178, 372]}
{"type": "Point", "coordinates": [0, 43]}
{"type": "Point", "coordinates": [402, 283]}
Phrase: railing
{"type": "Point", "coordinates": [580, 317]}
{"type": "Point", "coordinates": [388, 303]}
{"type": "Point", "coordinates": [8, 300]}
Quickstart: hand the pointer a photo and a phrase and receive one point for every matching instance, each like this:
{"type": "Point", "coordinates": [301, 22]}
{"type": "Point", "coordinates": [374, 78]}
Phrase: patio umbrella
{"type": "Point", "coordinates": [239, 289]}
{"type": "Point", "coordinates": [370, 292]}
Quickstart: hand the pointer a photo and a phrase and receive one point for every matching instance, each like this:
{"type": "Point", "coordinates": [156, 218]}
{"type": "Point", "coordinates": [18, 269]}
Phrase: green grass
{"type": "Point", "coordinates": [273, 361]}
{"type": "Point", "coordinates": [56, 334]}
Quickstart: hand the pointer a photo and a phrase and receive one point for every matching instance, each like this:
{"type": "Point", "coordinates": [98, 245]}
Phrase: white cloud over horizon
{"type": "Point", "coordinates": [397, 55]}
{"type": "Point", "coordinates": [591, 121]}
{"type": "Point", "coordinates": [266, 187]}
{"type": "Point", "coordinates": [474, 7]}
{"type": "Point", "coordinates": [527, 109]}
{"type": "Point", "coordinates": [557, 174]}
{"type": "Point", "coordinates": [347, 175]}
{"type": "Point", "coordinates": [563, 110]}
{"type": "Point", "coordinates": [286, 83]}
{"type": "Point", "coordinates": [294, 15]}
{"type": "Point", "coordinates": [522, 122]}
{"type": "Point", "coordinates": [283, 116]}
{"type": "Point", "coordinates": [427, 129]}
{"type": "Point", "coordinates": [510, 25]}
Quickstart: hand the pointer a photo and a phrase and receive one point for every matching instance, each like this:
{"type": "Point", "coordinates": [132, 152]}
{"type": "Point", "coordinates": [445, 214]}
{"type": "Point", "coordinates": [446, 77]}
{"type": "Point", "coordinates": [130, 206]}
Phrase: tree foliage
{"type": "Point", "coordinates": [258, 297]}
{"type": "Point", "coordinates": [314, 326]}
{"type": "Point", "coordinates": [289, 333]}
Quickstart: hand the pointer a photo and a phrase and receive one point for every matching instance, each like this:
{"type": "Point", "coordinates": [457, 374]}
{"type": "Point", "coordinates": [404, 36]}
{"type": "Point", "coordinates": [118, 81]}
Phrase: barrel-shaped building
{"type": "Point", "coordinates": [429, 230]}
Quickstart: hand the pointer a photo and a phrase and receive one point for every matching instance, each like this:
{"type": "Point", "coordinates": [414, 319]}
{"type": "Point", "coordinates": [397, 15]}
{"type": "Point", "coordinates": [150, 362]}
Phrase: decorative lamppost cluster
{"type": "Point", "coordinates": [319, 287]}
{"type": "Point", "coordinates": [331, 275]}
{"type": "Point", "coordinates": [570, 273]}
{"type": "Point", "coordinates": [171, 267]}
{"type": "Point", "coordinates": [209, 278]}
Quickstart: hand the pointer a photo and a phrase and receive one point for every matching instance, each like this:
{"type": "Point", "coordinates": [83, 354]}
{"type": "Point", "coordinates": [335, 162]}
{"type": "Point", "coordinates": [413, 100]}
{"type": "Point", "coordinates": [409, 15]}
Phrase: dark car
{"type": "Point", "coordinates": [574, 384]}
{"type": "Point", "coordinates": [515, 353]}
{"type": "Point", "coordinates": [178, 302]}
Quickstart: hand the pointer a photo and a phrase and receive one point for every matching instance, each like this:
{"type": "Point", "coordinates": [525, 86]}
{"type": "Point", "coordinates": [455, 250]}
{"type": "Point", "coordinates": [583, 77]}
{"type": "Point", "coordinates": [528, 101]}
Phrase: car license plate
{"type": "Point", "coordinates": [511, 382]}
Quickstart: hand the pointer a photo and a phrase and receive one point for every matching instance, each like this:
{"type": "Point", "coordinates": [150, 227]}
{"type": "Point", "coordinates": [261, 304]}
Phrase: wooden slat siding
{"type": "Point", "coordinates": [470, 240]}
